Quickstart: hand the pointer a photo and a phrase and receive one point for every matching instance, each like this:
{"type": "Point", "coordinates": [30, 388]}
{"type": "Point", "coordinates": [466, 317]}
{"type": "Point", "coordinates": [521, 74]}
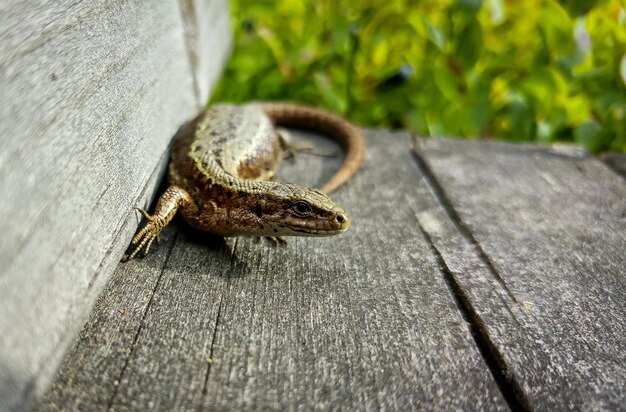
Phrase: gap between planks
{"type": "Point", "coordinates": [509, 386]}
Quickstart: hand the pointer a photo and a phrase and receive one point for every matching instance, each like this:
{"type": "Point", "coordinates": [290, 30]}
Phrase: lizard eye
{"type": "Point", "coordinates": [301, 207]}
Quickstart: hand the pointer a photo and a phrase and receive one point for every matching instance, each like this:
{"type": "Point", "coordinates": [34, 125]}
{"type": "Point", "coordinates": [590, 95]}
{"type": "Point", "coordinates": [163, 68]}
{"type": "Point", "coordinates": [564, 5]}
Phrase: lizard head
{"type": "Point", "coordinates": [293, 210]}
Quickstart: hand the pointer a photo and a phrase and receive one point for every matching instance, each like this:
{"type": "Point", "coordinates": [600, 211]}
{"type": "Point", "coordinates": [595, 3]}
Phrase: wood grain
{"type": "Point", "coordinates": [365, 320]}
{"type": "Point", "coordinates": [476, 275]}
{"type": "Point", "coordinates": [208, 39]}
{"type": "Point", "coordinates": [535, 241]}
{"type": "Point", "coordinates": [92, 93]}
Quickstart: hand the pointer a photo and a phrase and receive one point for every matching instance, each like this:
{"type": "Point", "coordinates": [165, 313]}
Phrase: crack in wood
{"type": "Point", "coordinates": [446, 204]}
{"type": "Point", "coordinates": [509, 386]}
{"type": "Point", "coordinates": [205, 385]}
{"type": "Point", "coordinates": [141, 324]}
{"type": "Point", "coordinates": [213, 339]}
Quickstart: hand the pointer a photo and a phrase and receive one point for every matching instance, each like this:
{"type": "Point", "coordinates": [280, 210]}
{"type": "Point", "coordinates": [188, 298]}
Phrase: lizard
{"type": "Point", "coordinates": [221, 174]}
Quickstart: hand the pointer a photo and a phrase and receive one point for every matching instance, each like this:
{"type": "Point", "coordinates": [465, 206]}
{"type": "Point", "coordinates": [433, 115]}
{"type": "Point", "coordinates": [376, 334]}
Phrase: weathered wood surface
{"type": "Point", "coordinates": [535, 240]}
{"type": "Point", "coordinates": [361, 321]}
{"type": "Point", "coordinates": [476, 275]}
{"type": "Point", "coordinates": [617, 162]}
{"type": "Point", "coordinates": [207, 35]}
{"type": "Point", "coordinates": [91, 94]}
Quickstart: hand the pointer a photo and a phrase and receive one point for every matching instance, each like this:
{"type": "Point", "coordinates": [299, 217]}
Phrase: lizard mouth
{"type": "Point", "coordinates": [315, 232]}
{"type": "Point", "coordinates": [335, 226]}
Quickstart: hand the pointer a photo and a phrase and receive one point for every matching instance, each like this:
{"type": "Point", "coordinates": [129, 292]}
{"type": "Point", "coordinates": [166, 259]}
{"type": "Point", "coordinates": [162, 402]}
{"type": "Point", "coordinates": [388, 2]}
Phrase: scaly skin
{"type": "Point", "coordinates": [220, 176]}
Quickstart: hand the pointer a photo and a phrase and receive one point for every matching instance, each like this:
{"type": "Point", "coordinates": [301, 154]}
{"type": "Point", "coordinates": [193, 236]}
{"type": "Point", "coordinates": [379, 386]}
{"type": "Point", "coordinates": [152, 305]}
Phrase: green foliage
{"type": "Point", "coordinates": [524, 70]}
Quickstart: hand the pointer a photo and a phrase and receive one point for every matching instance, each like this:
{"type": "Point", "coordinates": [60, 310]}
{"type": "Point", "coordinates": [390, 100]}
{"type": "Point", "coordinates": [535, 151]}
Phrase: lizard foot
{"type": "Point", "coordinates": [277, 240]}
{"type": "Point", "coordinates": [147, 235]}
{"type": "Point", "coordinates": [173, 198]}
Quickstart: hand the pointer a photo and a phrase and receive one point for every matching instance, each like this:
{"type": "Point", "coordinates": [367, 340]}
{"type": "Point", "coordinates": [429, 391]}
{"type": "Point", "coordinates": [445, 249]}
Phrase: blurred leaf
{"type": "Point", "coordinates": [448, 83]}
{"type": "Point", "coordinates": [470, 44]}
{"type": "Point", "coordinates": [545, 131]}
{"type": "Point", "coordinates": [417, 122]}
{"type": "Point", "coordinates": [436, 36]}
{"type": "Point", "coordinates": [496, 11]}
{"type": "Point", "coordinates": [331, 97]}
{"type": "Point", "coordinates": [521, 120]}
{"type": "Point", "coordinates": [622, 69]}
{"type": "Point", "coordinates": [579, 7]}
{"type": "Point", "coordinates": [557, 28]}
{"type": "Point", "coordinates": [479, 113]}
{"type": "Point", "coordinates": [587, 134]}
{"type": "Point", "coordinates": [435, 126]}
{"type": "Point", "coordinates": [469, 5]}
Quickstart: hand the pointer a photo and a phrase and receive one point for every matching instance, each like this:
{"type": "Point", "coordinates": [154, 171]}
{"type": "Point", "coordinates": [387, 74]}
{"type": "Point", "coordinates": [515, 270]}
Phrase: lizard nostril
{"type": "Point", "coordinates": [340, 218]}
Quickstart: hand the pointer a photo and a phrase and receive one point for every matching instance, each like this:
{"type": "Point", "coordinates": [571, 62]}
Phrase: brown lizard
{"type": "Point", "coordinates": [220, 175]}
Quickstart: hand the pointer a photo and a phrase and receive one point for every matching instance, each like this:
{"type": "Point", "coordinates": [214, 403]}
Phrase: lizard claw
{"type": "Point", "coordinates": [147, 235]}
{"type": "Point", "coordinates": [143, 212]}
{"type": "Point", "coordinates": [173, 198]}
{"type": "Point", "coordinates": [278, 240]}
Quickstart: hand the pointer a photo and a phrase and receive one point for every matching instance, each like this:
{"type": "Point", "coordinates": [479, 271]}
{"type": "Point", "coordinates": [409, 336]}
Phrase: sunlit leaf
{"type": "Point", "coordinates": [496, 11]}
{"type": "Point", "coordinates": [436, 36]}
{"type": "Point", "coordinates": [557, 28]}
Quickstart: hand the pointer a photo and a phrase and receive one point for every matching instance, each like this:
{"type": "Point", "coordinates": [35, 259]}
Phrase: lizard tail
{"type": "Point", "coordinates": [322, 121]}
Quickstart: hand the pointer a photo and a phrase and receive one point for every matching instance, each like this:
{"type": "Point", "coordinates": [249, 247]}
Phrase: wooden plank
{"type": "Point", "coordinates": [106, 339]}
{"type": "Point", "coordinates": [360, 321]}
{"type": "Point", "coordinates": [206, 25]}
{"type": "Point", "coordinates": [92, 93]}
{"type": "Point", "coordinates": [535, 240]}
{"type": "Point", "coordinates": [616, 161]}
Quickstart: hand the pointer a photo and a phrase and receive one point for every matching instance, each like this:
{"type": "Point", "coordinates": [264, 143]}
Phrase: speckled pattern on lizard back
{"type": "Point", "coordinates": [220, 175]}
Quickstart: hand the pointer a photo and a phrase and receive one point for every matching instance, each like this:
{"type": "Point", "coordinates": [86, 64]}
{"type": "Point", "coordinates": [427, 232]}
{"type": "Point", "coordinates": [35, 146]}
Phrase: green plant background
{"type": "Point", "coordinates": [519, 70]}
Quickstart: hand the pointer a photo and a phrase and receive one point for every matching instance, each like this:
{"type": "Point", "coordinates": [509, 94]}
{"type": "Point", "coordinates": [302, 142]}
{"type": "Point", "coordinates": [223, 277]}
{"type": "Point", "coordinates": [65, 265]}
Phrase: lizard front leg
{"type": "Point", "coordinates": [167, 205]}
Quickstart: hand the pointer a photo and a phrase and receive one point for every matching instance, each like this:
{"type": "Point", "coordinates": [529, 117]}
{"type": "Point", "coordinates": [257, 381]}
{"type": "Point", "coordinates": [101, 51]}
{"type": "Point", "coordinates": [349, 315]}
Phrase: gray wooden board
{"type": "Point", "coordinates": [207, 34]}
{"type": "Point", "coordinates": [91, 94]}
{"type": "Point", "coordinates": [362, 321]}
{"type": "Point", "coordinates": [550, 288]}
{"type": "Point", "coordinates": [616, 161]}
